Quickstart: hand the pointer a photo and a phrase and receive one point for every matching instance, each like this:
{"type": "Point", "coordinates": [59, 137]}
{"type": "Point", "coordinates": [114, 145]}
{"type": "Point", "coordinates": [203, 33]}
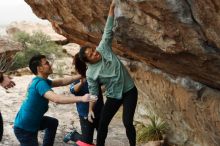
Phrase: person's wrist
{"type": "Point", "coordinates": [81, 83]}
{"type": "Point", "coordinates": [112, 7]}
{"type": "Point", "coordinates": [76, 98]}
{"type": "Point", "coordinates": [81, 99]}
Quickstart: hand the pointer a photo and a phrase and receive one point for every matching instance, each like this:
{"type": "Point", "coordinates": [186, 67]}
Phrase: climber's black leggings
{"type": "Point", "coordinates": [129, 101]}
{"type": "Point", "coordinates": [1, 126]}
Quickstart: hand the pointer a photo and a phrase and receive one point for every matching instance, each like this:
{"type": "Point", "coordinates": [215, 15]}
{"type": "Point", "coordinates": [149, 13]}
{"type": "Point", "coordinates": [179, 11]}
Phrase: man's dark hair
{"type": "Point", "coordinates": [34, 62]}
{"type": "Point", "coordinates": [80, 66]}
{"type": "Point", "coordinates": [82, 54]}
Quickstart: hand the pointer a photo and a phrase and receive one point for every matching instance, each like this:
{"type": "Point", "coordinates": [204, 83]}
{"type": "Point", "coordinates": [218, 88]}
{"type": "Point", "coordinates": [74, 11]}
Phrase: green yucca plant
{"type": "Point", "coordinates": [153, 131]}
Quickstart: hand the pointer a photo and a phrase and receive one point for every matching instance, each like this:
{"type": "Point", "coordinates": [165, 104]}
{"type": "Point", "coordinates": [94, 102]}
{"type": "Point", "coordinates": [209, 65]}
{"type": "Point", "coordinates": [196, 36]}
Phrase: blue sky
{"type": "Point", "coordinates": [16, 10]}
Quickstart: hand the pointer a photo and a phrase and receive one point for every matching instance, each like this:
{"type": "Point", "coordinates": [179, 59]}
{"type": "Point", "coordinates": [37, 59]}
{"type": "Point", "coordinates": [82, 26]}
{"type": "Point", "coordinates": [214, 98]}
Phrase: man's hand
{"type": "Point", "coordinates": [91, 116]}
{"type": "Point", "coordinates": [7, 82]}
{"type": "Point", "coordinates": [86, 98]}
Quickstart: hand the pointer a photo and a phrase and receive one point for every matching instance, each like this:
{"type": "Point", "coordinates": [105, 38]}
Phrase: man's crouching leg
{"type": "Point", "coordinates": [50, 125]}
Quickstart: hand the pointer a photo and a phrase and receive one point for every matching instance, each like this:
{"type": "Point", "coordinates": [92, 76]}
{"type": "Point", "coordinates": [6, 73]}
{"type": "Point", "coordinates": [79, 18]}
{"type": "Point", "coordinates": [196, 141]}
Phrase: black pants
{"type": "Point", "coordinates": [50, 125]}
{"type": "Point", "coordinates": [129, 102]}
{"type": "Point", "coordinates": [87, 129]}
{"type": "Point", "coordinates": [1, 126]}
{"type": "Point", "coordinates": [27, 138]}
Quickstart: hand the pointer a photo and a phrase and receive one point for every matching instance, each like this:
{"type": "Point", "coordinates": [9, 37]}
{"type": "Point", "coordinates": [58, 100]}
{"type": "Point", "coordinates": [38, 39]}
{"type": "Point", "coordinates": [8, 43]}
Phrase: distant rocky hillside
{"type": "Point", "coordinates": [31, 27]}
{"type": "Point", "coordinates": [8, 48]}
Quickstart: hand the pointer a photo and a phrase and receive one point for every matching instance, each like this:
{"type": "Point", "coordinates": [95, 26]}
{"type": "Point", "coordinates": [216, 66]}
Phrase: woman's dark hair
{"type": "Point", "coordinates": [34, 62]}
{"type": "Point", "coordinates": [82, 54]}
{"type": "Point", "coordinates": [80, 66]}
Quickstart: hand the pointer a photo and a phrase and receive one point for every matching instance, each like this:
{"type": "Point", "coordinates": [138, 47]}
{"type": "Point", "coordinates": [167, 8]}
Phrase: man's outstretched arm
{"type": "Point", "coordinates": [65, 81]}
{"type": "Point", "coordinates": [62, 99]}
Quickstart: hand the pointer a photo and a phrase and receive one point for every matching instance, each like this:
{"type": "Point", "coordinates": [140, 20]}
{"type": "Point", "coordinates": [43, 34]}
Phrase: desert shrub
{"type": "Point", "coordinates": [59, 69]}
{"type": "Point", "coordinates": [34, 44]}
{"type": "Point", "coordinates": [153, 131]}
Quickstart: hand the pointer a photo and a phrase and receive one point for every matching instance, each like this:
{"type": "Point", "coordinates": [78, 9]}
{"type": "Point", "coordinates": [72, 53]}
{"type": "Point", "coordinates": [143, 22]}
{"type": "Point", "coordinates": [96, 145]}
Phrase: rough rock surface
{"type": "Point", "coordinates": [8, 48]}
{"type": "Point", "coordinates": [180, 38]}
{"type": "Point", "coordinates": [190, 109]}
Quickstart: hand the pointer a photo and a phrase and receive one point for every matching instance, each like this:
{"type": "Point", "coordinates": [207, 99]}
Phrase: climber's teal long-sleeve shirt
{"type": "Point", "coordinates": [109, 71]}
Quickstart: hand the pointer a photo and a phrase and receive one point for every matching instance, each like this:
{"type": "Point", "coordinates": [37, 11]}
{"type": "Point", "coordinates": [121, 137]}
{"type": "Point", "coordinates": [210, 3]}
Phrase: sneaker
{"type": "Point", "coordinates": [69, 136]}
